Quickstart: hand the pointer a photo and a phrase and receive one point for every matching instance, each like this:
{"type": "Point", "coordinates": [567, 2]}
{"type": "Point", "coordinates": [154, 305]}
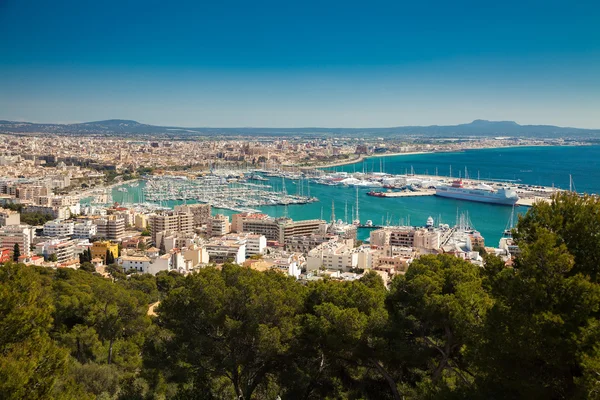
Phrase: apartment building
{"type": "Point", "coordinates": [289, 227]}
{"type": "Point", "coordinates": [201, 212]}
{"type": "Point", "coordinates": [221, 251]}
{"type": "Point", "coordinates": [401, 237]}
{"type": "Point", "coordinates": [99, 249]}
{"type": "Point", "coordinates": [255, 244]}
{"type": "Point", "coordinates": [170, 221]}
{"type": "Point", "coordinates": [29, 192]}
{"type": "Point", "coordinates": [332, 255]}
{"type": "Point", "coordinates": [428, 239]}
{"type": "Point", "coordinates": [22, 235]}
{"type": "Point", "coordinates": [276, 229]}
{"type": "Point", "coordinates": [260, 224]}
{"type": "Point", "coordinates": [141, 221]}
{"type": "Point", "coordinates": [63, 249]}
{"type": "Point", "coordinates": [218, 225]}
{"type": "Point", "coordinates": [59, 229]}
{"type": "Point", "coordinates": [9, 217]}
{"type": "Point", "coordinates": [111, 227]}
{"type": "Point", "coordinates": [305, 243]}
{"type": "Point", "coordinates": [175, 240]}
{"type": "Point", "coordinates": [85, 230]}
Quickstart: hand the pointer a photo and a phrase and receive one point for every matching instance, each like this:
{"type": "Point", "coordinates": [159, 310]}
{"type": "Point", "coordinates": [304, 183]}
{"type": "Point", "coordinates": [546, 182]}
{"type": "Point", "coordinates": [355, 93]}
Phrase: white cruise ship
{"type": "Point", "coordinates": [481, 193]}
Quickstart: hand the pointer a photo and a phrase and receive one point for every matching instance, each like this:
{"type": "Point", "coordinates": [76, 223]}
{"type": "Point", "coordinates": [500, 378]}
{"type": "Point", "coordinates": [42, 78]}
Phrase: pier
{"type": "Point", "coordinates": [407, 193]}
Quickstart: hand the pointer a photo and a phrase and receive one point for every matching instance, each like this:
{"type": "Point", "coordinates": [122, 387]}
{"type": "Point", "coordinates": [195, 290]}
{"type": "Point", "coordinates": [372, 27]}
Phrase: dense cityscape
{"type": "Point", "coordinates": [266, 200]}
{"type": "Point", "coordinates": [57, 194]}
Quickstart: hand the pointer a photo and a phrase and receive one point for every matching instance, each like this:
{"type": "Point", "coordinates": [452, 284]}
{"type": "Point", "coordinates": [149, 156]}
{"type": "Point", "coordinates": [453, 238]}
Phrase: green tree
{"type": "Point", "coordinates": [117, 314]}
{"type": "Point", "coordinates": [87, 266]}
{"type": "Point", "coordinates": [110, 258]}
{"type": "Point", "coordinates": [162, 249]}
{"type": "Point", "coordinates": [115, 271]}
{"type": "Point", "coordinates": [30, 362]}
{"type": "Point", "coordinates": [541, 337]}
{"type": "Point", "coordinates": [336, 352]}
{"type": "Point", "coordinates": [231, 325]}
{"type": "Point", "coordinates": [52, 257]}
{"type": "Point", "coordinates": [575, 220]}
{"type": "Point", "coordinates": [437, 311]}
{"type": "Point", "coordinates": [16, 252]}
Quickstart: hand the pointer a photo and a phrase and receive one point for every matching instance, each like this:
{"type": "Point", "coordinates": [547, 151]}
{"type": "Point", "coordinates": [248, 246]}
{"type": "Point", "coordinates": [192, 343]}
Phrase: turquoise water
{"type": "Point", "coordinates": [533, 165]}
{"type": "Point", "coordinates": [545, 166]}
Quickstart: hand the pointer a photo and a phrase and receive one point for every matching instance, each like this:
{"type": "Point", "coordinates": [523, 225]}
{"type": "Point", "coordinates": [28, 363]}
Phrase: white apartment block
{"type": "Point", "coordinates": [85, 230]}
{"type": "Point", "coordinates": [278, 229]}
{"type": "Point", "coordinates": [59, 229]}
{"type": "Point", "coordinates": [220, 251]}
{"type": "Point", "coordinates": [64, 249]}
{"type": "Point", "coordinates": [255, 244]}
{"type": "Point", "coordinates": [175, 240]}
{"type": "Point", "coordinates": [332, 255]}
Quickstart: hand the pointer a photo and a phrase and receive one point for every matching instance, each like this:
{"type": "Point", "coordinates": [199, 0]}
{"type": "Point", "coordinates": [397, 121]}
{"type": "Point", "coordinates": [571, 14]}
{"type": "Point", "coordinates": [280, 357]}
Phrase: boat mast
{"type": "Point", "coordinates": [346, 212]}
{"type": "Point", "coordinates": [357, 215]}
{"type": "Point", "coordinates": [332, 212]}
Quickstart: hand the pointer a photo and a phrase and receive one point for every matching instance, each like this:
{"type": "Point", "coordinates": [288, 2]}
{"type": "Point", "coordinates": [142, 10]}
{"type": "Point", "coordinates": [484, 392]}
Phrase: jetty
{"type": "Point", "coordinates": [406, 193]}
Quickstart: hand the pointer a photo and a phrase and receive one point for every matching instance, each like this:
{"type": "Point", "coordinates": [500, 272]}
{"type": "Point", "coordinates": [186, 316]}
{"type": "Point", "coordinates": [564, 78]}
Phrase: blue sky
{"type": "Point", "coordinates": [297, 64]}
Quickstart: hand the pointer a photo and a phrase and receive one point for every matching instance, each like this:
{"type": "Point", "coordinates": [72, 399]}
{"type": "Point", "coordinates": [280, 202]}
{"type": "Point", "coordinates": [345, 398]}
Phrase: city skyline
{"type": "Point", "coordinates": [310, 65]}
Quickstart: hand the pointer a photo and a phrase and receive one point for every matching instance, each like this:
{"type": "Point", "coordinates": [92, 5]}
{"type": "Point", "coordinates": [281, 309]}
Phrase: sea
{"type": "Point", "coordinates": [538, 165]}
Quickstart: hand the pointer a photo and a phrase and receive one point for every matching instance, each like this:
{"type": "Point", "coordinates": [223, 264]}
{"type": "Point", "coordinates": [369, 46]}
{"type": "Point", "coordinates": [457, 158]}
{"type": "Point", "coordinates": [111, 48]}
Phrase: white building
{"type": "Point", "coordinates": [139, 263]}
{"type": "Point", "coordinates": [64, 249]}
{"type": "Point", "coordinates": [221, 251]}
{"type": "Point", "coordinates": [255, 244]}
{"type": "Point", "coordinates": [58, 229]}
{"type": "Point", "coordinates": [332, 255]}
{"type": "Point", "coordinates": [85, 230]}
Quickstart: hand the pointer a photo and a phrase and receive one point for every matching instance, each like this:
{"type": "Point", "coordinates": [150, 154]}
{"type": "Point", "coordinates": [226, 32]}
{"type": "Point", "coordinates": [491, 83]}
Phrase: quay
{"type": "Point", "coordinates": [407, 193]}
{"type": "Point", "coordinates": [523, 201]}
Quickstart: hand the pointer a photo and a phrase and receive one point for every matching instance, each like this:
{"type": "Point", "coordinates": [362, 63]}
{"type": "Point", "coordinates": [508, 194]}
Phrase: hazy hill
{"type": "Point", "coordinates": [476, 128]}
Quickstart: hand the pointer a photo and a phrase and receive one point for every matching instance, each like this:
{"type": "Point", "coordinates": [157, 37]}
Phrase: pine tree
{"type": "Point", "coordinates": [162, 248]}
{"type": "Point", "coordinates": [110, 258]}
{"type": "Point", "coordinates": [16, 252]}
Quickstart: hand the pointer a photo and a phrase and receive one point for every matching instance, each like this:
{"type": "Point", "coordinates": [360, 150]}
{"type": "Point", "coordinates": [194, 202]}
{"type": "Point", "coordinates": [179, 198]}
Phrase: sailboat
{"type": "Point", "coordinates": [357, 220]}
{"type": "Point", "coordinates": [510, 224]}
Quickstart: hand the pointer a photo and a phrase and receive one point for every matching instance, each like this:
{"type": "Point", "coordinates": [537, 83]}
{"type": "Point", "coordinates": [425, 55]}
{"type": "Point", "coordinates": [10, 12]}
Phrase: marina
{"type": "Point", "coordinates": [407, 197]}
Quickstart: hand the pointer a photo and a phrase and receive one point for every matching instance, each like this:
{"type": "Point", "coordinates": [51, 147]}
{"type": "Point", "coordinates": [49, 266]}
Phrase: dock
{"type": "Point", "coordinates": [523, 201]}
{"type": "Point", "coordinates": [529, 201]}
{"type": "Point", "coordinates": [407, 193]}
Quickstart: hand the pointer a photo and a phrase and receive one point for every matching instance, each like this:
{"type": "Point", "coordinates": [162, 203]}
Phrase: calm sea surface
{"type": "Point", "coordinates": [533, 165]}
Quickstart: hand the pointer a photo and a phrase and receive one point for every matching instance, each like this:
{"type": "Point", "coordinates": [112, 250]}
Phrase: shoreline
{"type": "Point", "coordinates": [363, 157]}
{"type": "Point", "coordinates": [410, 153]}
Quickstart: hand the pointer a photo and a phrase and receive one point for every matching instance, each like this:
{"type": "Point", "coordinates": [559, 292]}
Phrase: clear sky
{"type": "Point", "coordinates": [281, 63]}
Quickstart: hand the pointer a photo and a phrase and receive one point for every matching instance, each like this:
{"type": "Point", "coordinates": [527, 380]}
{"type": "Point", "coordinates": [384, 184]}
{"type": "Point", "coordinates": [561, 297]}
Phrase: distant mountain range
{"type": "Point", "coordinates": [477, 128]}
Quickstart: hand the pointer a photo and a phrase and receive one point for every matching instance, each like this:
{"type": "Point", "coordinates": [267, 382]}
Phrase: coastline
{"type": "Point", "coordinates": [363, 157]}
